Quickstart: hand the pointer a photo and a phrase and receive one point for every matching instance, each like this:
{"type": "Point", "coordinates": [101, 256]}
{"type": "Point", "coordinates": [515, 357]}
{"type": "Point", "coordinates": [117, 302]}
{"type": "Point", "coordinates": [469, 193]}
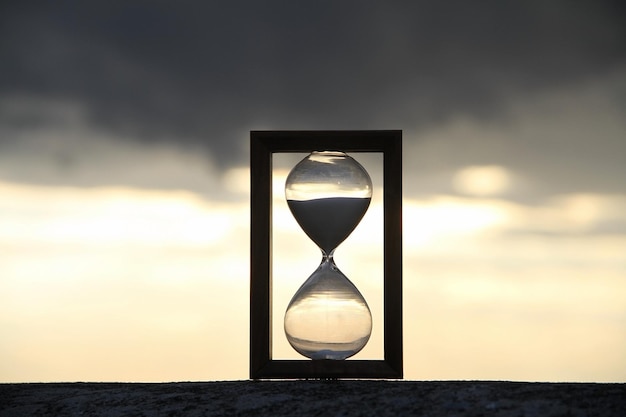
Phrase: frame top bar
{"type": "Point", "coordinates": [344, 140]}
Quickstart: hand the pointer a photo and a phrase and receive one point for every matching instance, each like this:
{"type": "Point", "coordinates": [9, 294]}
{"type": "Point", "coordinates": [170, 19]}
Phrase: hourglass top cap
{"type": "Point", "coordinates": [328, 174]}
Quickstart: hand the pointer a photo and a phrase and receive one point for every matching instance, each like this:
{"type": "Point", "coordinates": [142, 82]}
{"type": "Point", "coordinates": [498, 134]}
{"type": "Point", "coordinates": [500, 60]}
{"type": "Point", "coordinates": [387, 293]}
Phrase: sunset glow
{"type": "Point", "coordinates": [125, 278]}
{"type": "Point", "coordinates": [125, 182]}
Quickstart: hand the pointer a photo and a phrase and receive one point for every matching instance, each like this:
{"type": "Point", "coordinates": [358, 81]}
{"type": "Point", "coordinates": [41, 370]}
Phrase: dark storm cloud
{"type": "Point", "coordinates": [203, 73]}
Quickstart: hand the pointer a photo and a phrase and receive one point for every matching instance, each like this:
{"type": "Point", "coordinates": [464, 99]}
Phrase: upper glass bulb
{"type": "Point", "coordinates": [328, 193]}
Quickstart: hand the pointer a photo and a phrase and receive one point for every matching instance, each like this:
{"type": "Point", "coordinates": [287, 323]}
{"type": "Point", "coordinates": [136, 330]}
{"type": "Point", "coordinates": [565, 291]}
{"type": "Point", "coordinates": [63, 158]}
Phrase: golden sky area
{"type": "Point", "coordinates": [125, 284]}
{"type": "Point", "coordinates": [124, 181]}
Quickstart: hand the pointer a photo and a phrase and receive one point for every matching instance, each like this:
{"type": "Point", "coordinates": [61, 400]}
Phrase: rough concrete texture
{"type": "Point", "coordinates": [314, 398]}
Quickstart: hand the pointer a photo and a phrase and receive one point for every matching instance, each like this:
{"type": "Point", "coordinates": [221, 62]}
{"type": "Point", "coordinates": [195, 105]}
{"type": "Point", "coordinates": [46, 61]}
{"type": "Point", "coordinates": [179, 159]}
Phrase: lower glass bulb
{"type": "Point", "coordinates": [328, 318]}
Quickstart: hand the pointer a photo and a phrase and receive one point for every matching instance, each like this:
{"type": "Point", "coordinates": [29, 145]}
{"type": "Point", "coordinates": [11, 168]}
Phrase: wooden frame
{"type": "Point", "coordinates": [263, 144]}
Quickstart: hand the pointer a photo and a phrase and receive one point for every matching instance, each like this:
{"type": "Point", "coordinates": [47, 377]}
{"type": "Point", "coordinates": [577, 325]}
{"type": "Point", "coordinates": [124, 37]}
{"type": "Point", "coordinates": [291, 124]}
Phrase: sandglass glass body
{"type": "Point", "coordinates": [328, 192]}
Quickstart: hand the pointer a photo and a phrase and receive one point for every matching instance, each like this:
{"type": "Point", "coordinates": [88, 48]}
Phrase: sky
{"type": "Point", "coordinates": [124, 181]}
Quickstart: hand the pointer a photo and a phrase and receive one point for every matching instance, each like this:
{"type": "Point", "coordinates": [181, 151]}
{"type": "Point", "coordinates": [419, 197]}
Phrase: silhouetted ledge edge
{"type": "Point", "coordinates": [295, 397]}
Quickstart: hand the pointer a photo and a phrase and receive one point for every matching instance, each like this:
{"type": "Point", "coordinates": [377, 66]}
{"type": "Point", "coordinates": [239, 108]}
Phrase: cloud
{"type": "Point", "coordinates": [62, 148]}
{"type": "Point", "coordinates": [558, 141]}
{"type": "Point", "coordinates": [203, 74]}
{"type": "Point", "coordinates": [482, 180]}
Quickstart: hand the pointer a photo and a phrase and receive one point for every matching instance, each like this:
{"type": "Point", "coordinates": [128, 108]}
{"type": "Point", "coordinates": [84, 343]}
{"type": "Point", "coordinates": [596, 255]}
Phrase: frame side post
{"type": "Point", "coordinates": [393, 252]}
{"type": "Point", "coordinates": [260, 255]}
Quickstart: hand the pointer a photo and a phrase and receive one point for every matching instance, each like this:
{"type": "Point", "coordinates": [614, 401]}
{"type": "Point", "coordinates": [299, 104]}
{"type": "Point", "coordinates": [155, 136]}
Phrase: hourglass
{"type": "Point", "coordinates": [328, 192]}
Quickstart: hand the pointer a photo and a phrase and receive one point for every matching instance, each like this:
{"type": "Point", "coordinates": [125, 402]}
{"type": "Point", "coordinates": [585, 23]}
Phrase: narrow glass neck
{"type": "Point", "coordinates": [328, 257]}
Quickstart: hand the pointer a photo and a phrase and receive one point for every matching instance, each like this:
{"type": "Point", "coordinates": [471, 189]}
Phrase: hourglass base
{"type": "Point", "coordinates": [334, 351]}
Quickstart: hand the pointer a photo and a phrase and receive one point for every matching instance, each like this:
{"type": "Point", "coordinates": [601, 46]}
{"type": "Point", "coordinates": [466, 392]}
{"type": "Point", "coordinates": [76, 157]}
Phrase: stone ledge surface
{"type": "Point", "coordinates": [315, 398]}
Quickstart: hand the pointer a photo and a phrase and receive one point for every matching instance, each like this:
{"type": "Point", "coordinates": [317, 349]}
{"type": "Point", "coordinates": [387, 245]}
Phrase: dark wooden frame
{"type": "Point", "coordinates": [263, 144]}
